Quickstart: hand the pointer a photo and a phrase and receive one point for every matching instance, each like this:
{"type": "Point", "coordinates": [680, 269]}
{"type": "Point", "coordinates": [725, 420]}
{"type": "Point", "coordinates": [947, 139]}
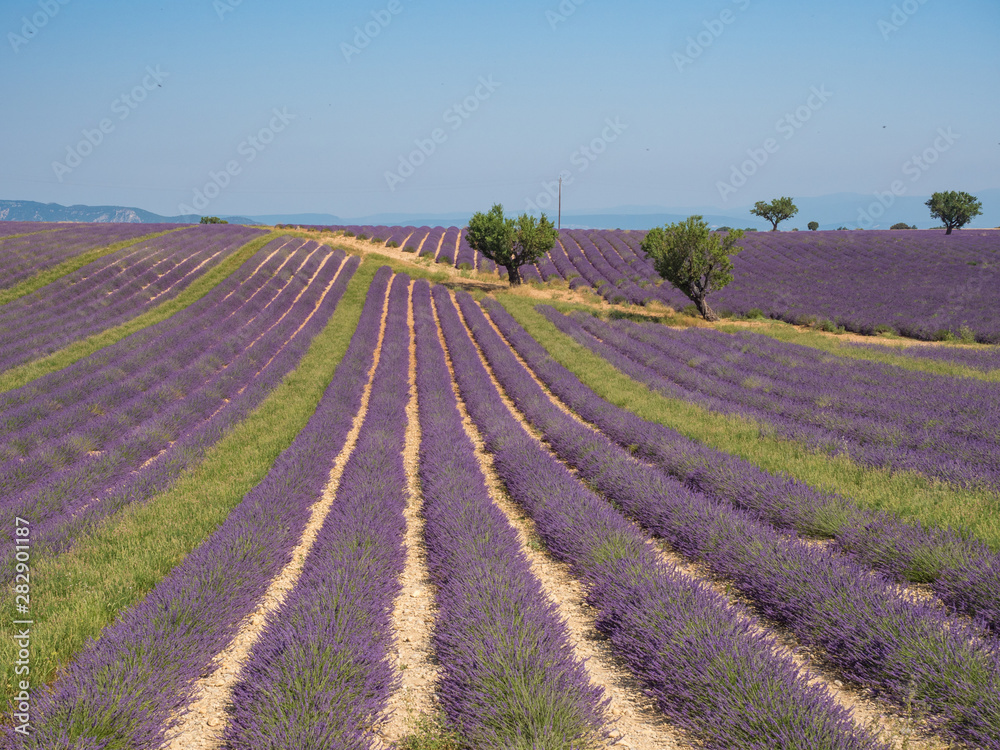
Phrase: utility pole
{"type": "Point", "coordinates": [559, 227]}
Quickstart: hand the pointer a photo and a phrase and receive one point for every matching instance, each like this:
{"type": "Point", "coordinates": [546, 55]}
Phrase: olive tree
{"type": "Point", "coordinates": [813, 226]}
{"type": "Point", "coordinates": [776, 211]}
{"type": "Point", "coordinates": [693, 259]}
{"type": "Point", "coordinates": [954, 208]}
{"type": "Point", "coordinates": [509, 242]}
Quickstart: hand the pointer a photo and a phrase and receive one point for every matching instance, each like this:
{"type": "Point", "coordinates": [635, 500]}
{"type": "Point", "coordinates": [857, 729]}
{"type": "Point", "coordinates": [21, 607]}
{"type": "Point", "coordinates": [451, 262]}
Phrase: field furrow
{"type": "Point", "coordinates": [657, 619]}
{"type": "Point", "coordinates": [128, 687]}
{"type": "Point", "coordinates": [907, 651]}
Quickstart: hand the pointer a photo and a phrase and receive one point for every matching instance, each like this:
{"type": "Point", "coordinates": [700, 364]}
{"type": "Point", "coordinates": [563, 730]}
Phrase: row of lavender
{"type": "Point", "coordinates": [881, 415]}
{"type": "Point", "coordinates": [112, 290]}
{"type": "Point", "coordinates": [913, 654]}
{"type": "Point", "coordinates": [700, 658]}
{"type": "Point", "coordinates": [445, 245]}
{"type": "Point", "coordinates": [80, 445]}
{"type": "Point", "coordinates": [984, 359]}
{"type": "Point", "coordinates": [128, 689]}
{"type": "Point", "coordinates": [921, 284]}
{"type": "Point", "coordinates": [965, 574]}
{"type": "Point", "coordinates": [508, 671]}
{"type": "Point", "coordinates": [23, 257]}
{"type": "Point", "coordinates": [12, 228]}
{"type": "Point", "coordinates": [319, 674]}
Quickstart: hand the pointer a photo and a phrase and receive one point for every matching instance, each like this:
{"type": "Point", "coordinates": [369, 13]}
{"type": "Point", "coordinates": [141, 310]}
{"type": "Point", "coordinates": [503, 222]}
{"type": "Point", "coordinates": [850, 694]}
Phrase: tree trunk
{"type": "Point", "coordinates": [706, 312]}
{"type": "Point", "coordinates": [949, 229]}
{"type": "Point", "coordinates": [513, 275]}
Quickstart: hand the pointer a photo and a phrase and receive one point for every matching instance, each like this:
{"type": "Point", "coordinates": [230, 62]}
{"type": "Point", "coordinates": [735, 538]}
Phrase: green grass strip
{"type": "Point", "coordinates": [49, 275]}
{"type": "Point", "coordinates": [906, 493]}
{"type": "Point", "coordinates": [833, 345]}
{"type": "Point", "coordinates": [76, 594]}
{"type": "Point", "coordinates": [26, 234]}
{"type": "Point", "coordinates": [16, 377]}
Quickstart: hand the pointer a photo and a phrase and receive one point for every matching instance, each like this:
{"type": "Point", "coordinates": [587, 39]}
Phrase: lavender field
{"type": "Point", "coordinates": [334, 503]}
{"type": "Point", "coordinates": [920, 284]}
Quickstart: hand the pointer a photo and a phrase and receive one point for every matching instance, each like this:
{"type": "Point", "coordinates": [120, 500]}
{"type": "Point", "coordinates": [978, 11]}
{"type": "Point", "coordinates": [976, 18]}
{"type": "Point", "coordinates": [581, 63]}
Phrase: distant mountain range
{"type": "Point", "coordinates": [32, 211]}
{"type": "Point", "coordinates": [851, 210]}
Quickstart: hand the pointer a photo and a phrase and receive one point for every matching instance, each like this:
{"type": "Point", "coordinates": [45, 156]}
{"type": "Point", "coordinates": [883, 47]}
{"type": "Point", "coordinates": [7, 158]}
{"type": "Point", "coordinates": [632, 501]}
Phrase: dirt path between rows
{"type": "Point", "coordinates": [899, 731]}
{"type": "Point", "coordinates": [637, 724]}
{"type": "Point", "coordinates": [201, 727]}
{"type": "Point", "coordinates": [415, 611]}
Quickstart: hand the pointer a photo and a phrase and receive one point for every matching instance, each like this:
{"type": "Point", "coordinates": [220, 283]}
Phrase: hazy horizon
{"type": "Point", "coordinates": [231, 107]}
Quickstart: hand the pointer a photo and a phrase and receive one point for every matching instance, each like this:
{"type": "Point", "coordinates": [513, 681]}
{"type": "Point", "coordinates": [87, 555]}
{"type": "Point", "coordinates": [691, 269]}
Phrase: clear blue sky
{"type": "Point", "coordinates": [558, 74]}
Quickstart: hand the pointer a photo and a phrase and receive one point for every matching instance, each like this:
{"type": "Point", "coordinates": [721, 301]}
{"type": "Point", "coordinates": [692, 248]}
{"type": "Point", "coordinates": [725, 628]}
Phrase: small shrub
{"type": "Point", "coordinates": [690, 310]}
{"type": "Point", "coordinates": [392, 243]}
{"type": "Point", "coordinates": [966, 335]}
{"type": "Point", "coordinates": [618, 300]}
{"type": "Point", "coordinates": [427, 254]}
{"type": "Point", "coordinates": [827, 325]}
{"type": "Point", "coordinates": [348, 233]}
{"type": "Point", "coordinates": [754, 313]}
{"type": "Point", "coordinates": [362, 236]}
{"type": "Point", "coordinates": [943, 334]}
{"type": "Point", "coordinates": [599, 283]}
{"type": "Point", "coordinates": [377, 240]}
{"type": "Point", "coordinates": [443, 259]}
{"type": "Point", "coordinates": [409, 249]}
{"type": "Point", "coordinates": [463, 266]}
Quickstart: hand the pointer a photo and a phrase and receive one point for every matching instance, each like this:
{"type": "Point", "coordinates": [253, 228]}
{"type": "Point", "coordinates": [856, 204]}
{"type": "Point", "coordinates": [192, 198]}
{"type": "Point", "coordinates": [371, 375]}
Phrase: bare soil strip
{"type": "Point", "coordinates": [637, 722]}
{"type": "Point", "coordinates": [437, 250]}
{"type": "Point", "coordinates": [201, 726]}
{"type": "Point", "coordinates": [900, 731]}
{"type": "Point", "coordinates": [261, 265]}
{"type": "Point", "coordinates": [415, 611]}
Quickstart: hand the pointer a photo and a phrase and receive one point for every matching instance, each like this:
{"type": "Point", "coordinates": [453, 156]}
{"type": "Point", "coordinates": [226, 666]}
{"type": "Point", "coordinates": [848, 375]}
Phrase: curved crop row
{"type": "Point", "coordinates": [910, 652]}
{"type": "Point", "coordinates": [83, 303]}
{"type": "Point", "coordinates": [138, 460]}
{"type": "Point", "coordinates": [25, 256]}
{"type": "Point", "coordinates": [708, 670]}
{"type": "Point", "coordinates": [963, 572]}
{"type": "Point", "coordinates": [879, 414]}
{"type": "Point", "coordinates": [125, 689]}
{"type": "Point", "coordinates": [111, 364]}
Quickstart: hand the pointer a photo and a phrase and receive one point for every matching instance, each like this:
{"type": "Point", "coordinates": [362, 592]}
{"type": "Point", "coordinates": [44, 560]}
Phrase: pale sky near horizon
{"type": "Point", "coordinates": [364, 107]}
